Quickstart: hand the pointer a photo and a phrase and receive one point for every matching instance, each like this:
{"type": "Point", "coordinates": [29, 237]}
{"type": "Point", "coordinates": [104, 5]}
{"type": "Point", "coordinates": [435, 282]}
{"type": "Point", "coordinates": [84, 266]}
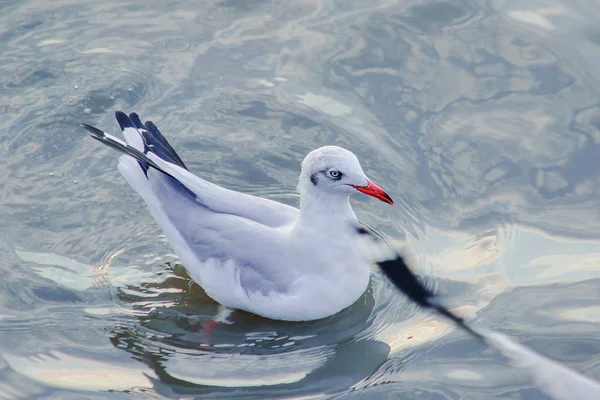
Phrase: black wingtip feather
{"type": "Point", "coordinates": [137, 122]}
{"type": "Point", "coordinates": [151, 136]}
{"type": "Point", "coordinates": [93, 130]}
{"type": "Point", "coordinates": [129, 121]}
{"type": "Point", "coordinates": [126, 149]}
{"type": "Point", "coordinates": [123, 120]}
{"type": "Point", "coordinates": [153, 129]}
{"type": "Point", "coordinates": [141, 157]}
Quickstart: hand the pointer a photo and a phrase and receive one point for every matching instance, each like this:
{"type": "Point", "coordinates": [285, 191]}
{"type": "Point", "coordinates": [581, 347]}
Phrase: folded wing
{"type": "Point", "coordinates": [207, 225]}
{"type": "Point", "coordinates": [146, 144]}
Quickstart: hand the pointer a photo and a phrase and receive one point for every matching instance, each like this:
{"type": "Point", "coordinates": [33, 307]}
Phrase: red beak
{"type": "Point", "coordinates": [373, 190]}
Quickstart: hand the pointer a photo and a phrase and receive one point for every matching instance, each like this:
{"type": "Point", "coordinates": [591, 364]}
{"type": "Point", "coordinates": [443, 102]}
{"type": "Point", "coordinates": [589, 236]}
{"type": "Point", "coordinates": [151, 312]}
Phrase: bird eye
{"type": "Point", "coordinates": [335, 174]}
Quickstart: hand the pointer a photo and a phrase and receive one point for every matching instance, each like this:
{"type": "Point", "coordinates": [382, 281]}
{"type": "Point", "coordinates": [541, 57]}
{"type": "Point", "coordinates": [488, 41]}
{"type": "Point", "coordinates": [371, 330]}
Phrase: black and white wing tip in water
{"type": "Point", "coordinates": [556, 380]}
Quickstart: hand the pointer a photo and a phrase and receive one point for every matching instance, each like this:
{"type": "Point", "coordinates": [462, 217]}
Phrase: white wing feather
{"type": "Point", "coordinates": [221, 200]}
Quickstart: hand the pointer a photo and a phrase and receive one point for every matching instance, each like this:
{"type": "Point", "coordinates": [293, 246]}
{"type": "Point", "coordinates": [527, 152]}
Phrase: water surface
{"type": "Point", "coordinates": [480, 119]}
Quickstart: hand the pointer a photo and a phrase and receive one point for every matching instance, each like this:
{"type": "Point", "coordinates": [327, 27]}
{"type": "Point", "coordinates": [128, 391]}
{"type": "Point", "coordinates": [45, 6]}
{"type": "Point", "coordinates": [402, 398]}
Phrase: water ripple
{"type": "Point", "coordinates": [480, 119]}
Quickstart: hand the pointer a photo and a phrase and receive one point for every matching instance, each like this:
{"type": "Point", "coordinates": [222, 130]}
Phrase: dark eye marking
{"type": "Point", "coordinates": [313, 179]}
{"type": "Point", "coordinates": [332, 174]}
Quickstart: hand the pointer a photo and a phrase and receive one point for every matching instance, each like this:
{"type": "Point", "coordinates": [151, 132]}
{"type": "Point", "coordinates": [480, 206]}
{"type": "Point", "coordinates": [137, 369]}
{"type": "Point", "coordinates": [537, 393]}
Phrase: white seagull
{"type": "Point", "coordinates": [251, 253]}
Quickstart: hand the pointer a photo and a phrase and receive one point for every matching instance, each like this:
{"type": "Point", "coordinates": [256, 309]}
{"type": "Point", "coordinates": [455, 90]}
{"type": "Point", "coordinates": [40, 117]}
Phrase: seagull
{"type": "Point", "coordinates": [251, 253]}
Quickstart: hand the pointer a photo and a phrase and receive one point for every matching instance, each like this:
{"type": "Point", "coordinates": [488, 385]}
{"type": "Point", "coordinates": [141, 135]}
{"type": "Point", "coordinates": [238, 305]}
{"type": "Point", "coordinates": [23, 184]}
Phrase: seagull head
{"type": "Point", "coordinates": [336, 170]}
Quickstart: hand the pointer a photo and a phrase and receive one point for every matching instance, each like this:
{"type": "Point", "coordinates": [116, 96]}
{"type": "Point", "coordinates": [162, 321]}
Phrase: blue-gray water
{"type": "Point", "coordinates": [480, 118]}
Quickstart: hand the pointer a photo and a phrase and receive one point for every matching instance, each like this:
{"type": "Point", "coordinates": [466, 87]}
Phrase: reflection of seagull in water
{"type": "Point", "coordinates": [248, 252]}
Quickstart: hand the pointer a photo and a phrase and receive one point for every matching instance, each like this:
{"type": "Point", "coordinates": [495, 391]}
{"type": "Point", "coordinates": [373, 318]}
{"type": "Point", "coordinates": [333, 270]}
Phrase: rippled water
{"type": "Point", "coordinates": [480, 118]}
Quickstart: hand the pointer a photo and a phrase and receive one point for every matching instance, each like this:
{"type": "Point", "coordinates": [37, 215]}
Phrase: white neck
{"type": "Point", "coordinates": [320, 208]}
